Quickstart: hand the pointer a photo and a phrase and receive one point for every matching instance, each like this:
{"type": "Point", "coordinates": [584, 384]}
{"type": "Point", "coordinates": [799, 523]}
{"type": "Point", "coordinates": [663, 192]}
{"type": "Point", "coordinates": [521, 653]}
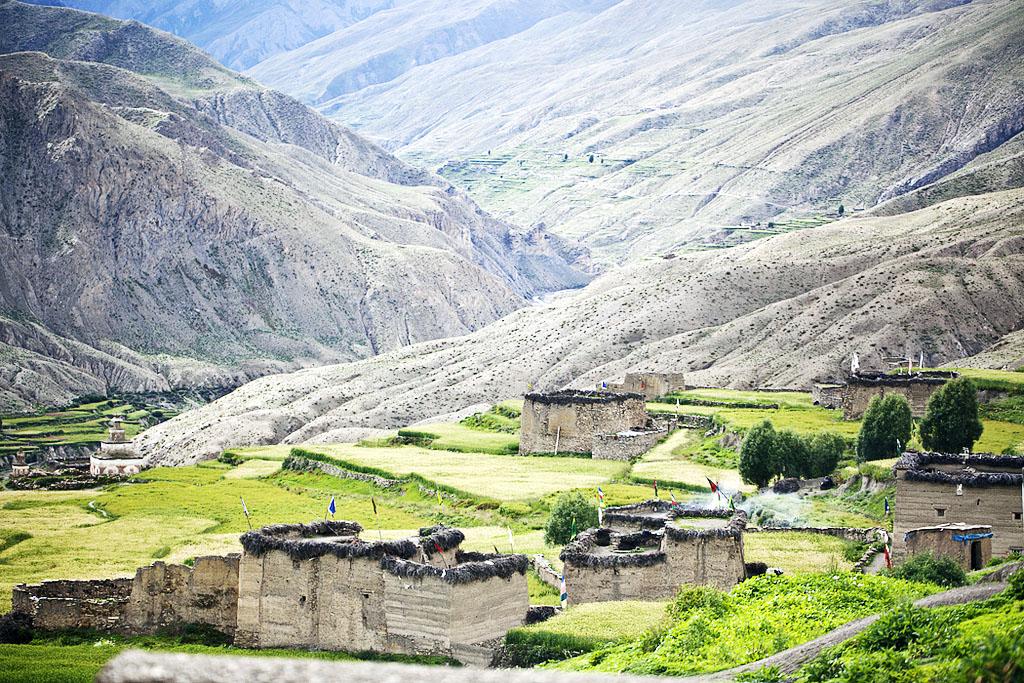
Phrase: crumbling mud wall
{"type": "Point", "coordinates": [936, 488]}
{"type": "Point", "coordinates": [168, 596]}
{"type": "Point", "coordinates": [569, 421]}
{"type": "Point", "coordinates": [98, 605]}
{"type": "Point", "coordinates": [161, 596]}
{"type": "Point", "coordinates": [858, 391]}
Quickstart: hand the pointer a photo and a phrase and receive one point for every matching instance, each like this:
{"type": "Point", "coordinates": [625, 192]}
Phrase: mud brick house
{"type": "Point", "coordinates": [601, 424]}
{"type": "Point", "coordinates": [855, 395]}
{"type": "Point", "coordinates": [646, 551]}
{"type": "Point", "coordinates": [321, 587]}
{"type": "Point", "coordinates": [970, 489]}
{"type": "Point", "coordinates": [969, 545]}
{"type": "Point", "coordinates": [650, 385]}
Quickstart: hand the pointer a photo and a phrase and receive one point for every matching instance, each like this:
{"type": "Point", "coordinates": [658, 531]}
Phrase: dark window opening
{"type": "Point", "coordinates": [940, 512]}
{"type": "Point", "coordinates": [302, 600]}
{"type": "Point", "coordinates": [1016, 515]}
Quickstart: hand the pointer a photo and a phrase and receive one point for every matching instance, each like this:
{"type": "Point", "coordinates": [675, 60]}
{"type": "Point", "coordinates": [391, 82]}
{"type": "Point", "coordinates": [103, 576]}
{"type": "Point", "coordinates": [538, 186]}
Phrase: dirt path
{"type": "Point", "coordinates": [788, 661]}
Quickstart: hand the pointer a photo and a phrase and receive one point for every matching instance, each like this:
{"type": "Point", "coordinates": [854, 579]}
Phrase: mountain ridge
{"type": "Point", "coordinates": [189, 212]}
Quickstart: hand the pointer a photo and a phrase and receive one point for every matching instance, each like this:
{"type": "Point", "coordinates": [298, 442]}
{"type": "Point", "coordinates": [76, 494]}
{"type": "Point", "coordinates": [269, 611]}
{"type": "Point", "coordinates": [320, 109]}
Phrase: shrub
{"type": "Point", "coordinates": [896, 629]}
{"type": "Point", "coordinates": [15, 629]}
{"type": "Point", "coordinates": [926, 568]}
{"type": "Point", "coordinates": [1015, 589]}
{"type": "Point", "coordinates": [571, 514]}
{"type": "Point", "coordinates": [758, 454]}
{"type": "Point", "coordinates": [514, 509]}
{"type": "Point", "coordinates": [886, 429]}
{"type": "Point", "coordinates": [951, 421]}
{"type": "Point", "coordinates": [826, 450]}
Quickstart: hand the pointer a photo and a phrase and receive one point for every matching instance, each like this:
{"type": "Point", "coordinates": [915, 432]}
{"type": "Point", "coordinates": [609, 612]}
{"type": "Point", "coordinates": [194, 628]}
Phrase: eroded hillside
{"type": "Point", "coordinates": [948, 279]}
{"type": "Point", "coordinates": [184, 211]}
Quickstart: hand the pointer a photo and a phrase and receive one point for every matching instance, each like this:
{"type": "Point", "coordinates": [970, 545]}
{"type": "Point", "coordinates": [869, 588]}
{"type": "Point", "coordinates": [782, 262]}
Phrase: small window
{"type": "Point", "coordinates": [940, 512]}
{"type": "Point", "coordinates": [979, 502]}
{"type": "Point", "coordinates": [1016, 515]}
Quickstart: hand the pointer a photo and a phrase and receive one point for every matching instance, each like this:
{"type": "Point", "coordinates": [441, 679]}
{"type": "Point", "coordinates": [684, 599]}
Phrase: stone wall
{"type": "Point", "coordinates": [705, 559]}
{"type": "Point", "coordinates": [857, 393]}
{"type": "Point", "coordinates": [114, 467]}
{"type": "Point", "coordinates": [568, 422]}
{"type": "Point", "coordinates": [650, 385]}
{"type": "Point", "coordinates": [53, 605]}
{"type": "Point", "coordinates": [172, 595]}
{"type": "Point", "coordinates": [160, 596]}
{"type": "Point", "coordinates": [941, 541]}
{"type": "Point", "coordinates": [626, 445]}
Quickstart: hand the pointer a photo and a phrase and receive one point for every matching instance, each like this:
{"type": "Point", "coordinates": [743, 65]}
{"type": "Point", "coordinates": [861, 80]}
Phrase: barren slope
{"type": "Point", "coordinates": [190, 213]}
{"type": "Point", "coordinates": [700, 116]}
{"type": "Point", "coordinates": [948, 280]}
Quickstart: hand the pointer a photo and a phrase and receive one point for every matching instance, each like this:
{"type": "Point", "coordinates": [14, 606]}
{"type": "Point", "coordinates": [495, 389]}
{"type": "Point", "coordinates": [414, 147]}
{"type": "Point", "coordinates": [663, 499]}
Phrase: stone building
{"type": "Point", "coordinates": [650, 385]}
{"type": "Point", "coordinates": [854, 396]}
{"type": "Point", "coordinates": [972, 489]}
{"type": "Point", "coordinates": [116, 456]}
{"type": "Point", "coordinates": [648, 550]}
{"type": "Point", "coordinates": [321, 587]}
{"type": "Point", "coordinates": [160, 596]}
{"type": "Point", "coordinates": [570, 421]}
{"type": "Point", "coordinates": [969, 545]}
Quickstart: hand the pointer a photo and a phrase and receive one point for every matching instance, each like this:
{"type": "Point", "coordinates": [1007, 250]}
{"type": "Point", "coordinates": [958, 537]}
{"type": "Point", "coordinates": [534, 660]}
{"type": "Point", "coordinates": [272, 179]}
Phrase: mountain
{"type": "Point", "coordinates": [239, 34]}
{"type": "Point", "coordinates": [947, 280]}
{"type": "Point", "coordinates": [642, 127]}
{"type": "Point", "coordinates": [164, 221]}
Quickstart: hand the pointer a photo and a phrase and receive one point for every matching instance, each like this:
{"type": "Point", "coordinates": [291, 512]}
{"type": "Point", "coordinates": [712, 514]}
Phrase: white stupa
{"type": "Point", "coordinates": [116, 456]}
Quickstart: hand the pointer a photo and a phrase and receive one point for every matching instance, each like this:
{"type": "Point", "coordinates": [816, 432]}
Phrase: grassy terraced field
{"type": "Point", "coordinates": [662, 463]}
{"type": "Point", "coordinates": [501, 477]}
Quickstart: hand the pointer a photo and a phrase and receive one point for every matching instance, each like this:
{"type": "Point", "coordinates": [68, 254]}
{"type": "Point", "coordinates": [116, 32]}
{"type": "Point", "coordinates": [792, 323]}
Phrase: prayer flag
{"type": "Point", "coordinates": [886, 506]}
{"type": "Point", "coordinates": [511, 543]}
{"type": "Point", "coordinates": [713, 485]}
{"type": "Point", "coordinates": [600, 495]}
{"type": "Point", "coordinates": [655, 488]}
{"type": "Point", "coordinates": [888, 557]}
{"type": "Point", "coordinates": [564, 593]}
{"type": "Point", "coordinates": [332, 508]}
{"type": "Point", "coordinates": [244, 509]}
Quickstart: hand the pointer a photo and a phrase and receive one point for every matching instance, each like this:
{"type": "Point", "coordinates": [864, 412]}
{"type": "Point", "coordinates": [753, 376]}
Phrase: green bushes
{"type": "Point", "coordinates": [571, 514]}
{"type": "Point", "coordinates": [951, 421]}
{"type": "Point", "coordinates": [886, 429]}
{"type": "Point", "coordinates": [759, 617]}
{"type": "Point", "coordinates": [767, 453]}
{"type": "Point", "coordinates": [927, 568]}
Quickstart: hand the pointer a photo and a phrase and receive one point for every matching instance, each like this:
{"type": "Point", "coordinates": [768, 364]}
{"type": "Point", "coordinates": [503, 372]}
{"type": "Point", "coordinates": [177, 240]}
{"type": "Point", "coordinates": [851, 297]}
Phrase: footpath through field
{"type": "Point", "coordinates": [788, 661]}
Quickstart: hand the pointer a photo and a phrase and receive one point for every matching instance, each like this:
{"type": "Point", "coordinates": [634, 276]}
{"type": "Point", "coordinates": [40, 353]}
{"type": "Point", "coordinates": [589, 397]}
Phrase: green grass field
{"type": "Point", "coordinates": [501, 477]}
{"type": "Point", "coordinates": [669, 463]}
{"type": "Point", "coordinates": [460, 438]}
{"type": "Point", "coordinates": [796, 552]}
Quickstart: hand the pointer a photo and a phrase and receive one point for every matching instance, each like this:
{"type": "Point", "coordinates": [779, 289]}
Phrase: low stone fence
{"type": "Point", "coordinates": [625, 445]}
{"type": "Point", "coordinates": [846, 533]}
{"type": "Point", "coordinates": [545, 571]}
{"type": "Point", "coordinates": [674, 421]}
{"type": "Point", "coordinates": [98, 605]}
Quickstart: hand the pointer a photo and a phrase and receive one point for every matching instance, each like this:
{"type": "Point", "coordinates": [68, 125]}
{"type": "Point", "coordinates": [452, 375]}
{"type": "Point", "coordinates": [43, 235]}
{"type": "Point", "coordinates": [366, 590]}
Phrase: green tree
{"type": "Point", "coordinates": [759, 454]}
{"type": "Point", "coordinates": [886, 429]}
{"type": "Point", "coordinates": [826, 450]}
{"type": "Point", "coordinates": [572, 514]}
{"type": "Point", "coordinates": [792, 456]}
{"type": "Point", "coordinates": [951, 421]}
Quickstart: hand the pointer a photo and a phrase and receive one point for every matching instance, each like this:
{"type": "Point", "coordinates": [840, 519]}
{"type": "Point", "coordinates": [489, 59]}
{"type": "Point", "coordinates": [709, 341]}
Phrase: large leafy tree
{"type": "Point", "coordinates": [886, 428]}
{"type": "Point", "coordinates": [826, 450]}
{"type": "Point", "coordinates": [759, 454]}
{"type": "Point", "coordinates": [951, 421]}
{"type": "Point", "coordinates": [793, 457]}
